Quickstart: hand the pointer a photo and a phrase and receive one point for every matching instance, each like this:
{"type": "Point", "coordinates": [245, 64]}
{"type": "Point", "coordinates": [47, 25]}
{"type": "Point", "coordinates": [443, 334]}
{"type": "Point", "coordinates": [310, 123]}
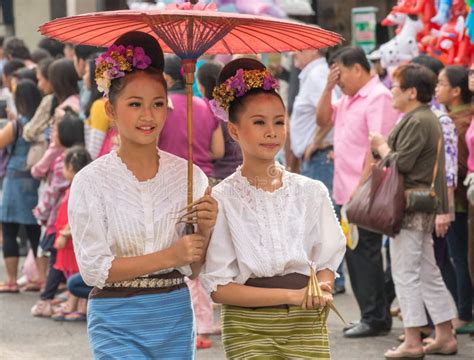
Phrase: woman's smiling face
{"type": "Point", "coordinates": [140, 109]}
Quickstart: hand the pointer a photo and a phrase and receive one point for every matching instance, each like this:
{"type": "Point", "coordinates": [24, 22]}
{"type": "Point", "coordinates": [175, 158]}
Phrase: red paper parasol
{"type": "Point", "coordinates": [191, 31]}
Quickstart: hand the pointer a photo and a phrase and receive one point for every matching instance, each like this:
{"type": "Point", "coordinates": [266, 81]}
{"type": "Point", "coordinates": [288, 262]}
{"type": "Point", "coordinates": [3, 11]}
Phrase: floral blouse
{"type": "Point", "coordinates": [450, 148]}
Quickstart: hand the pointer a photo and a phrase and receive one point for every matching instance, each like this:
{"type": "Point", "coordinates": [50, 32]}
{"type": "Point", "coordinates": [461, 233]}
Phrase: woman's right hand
{"type": "Point", "coordinates": [296, 297]}
{"type": "Point", "coordinates": [188, 249]}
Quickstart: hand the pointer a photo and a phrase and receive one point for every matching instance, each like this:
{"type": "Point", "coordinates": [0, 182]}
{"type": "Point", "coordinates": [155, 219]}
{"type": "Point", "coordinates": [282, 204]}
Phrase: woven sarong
{"type": "Point", "coordinates": [154, 326]}
{"type": "Point", "coordinates": [272, 333]}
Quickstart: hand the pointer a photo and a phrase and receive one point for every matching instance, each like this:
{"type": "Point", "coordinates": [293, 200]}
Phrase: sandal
{"type": "Point", "coordinates": [466, 329]}
{"type": "Point", "coordinates": [33, 286]}
{"type": "Point", "coordinates": [42, 309]}
{"type": "Point", "coordinates": [203, 343]}
{"type": "Point", "coordinates": [435, 349]}
{"type": "Point", "coordinates": [9, 288]}
{"type": "Point", "coordinates": [60, 315]}
{"type": "Point", "coordinates": [396, 354]}
{"type": "Point", "coordinates": [75, 316]}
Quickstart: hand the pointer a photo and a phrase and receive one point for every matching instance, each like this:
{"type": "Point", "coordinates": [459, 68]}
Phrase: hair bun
{"type": "Point", "coordinates": [149, 44]}
{"type": "Point", "coordinates": [231, 68]}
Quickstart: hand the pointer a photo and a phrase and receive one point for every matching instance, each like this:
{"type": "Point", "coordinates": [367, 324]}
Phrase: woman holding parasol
{"type": "Point", "coordinates": [122, 213]}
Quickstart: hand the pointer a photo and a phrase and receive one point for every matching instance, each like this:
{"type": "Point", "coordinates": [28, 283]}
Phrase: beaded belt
{"type": "Point", "coordinates": [147, 283]}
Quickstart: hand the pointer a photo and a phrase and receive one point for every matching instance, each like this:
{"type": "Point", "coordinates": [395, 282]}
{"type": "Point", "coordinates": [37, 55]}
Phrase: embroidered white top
{"type": "Point", "coordinates": [265, 234]}
{"type": "Point", "coordinates": [112, 214]}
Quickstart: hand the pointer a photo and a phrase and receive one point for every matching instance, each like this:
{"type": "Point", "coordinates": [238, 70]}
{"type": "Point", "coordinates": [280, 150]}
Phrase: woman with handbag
{"type": "Point", "coordinates": [417, 140]}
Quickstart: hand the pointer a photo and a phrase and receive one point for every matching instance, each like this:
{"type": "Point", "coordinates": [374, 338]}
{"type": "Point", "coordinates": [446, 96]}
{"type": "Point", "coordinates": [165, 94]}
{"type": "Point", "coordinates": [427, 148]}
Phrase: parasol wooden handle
{"type": "Point", "coordinates": [189, 67]}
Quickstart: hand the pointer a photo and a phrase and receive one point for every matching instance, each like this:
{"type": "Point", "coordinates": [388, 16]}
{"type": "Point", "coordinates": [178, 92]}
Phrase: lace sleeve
{"type": "Point", "coordinates": [221, 261]}
{"type": "Point", "coordinates": [330, 243]}
{"type": "Point", "coordinates": [87, 221]}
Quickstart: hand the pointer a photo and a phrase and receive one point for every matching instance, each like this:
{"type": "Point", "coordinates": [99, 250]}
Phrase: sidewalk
{"type": "Point", "coordinates": [24, 337]}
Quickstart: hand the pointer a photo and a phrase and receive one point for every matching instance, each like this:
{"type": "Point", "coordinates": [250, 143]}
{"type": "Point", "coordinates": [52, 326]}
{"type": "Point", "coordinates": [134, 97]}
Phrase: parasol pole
{"type": "Point", "coordinates": [189, 66]}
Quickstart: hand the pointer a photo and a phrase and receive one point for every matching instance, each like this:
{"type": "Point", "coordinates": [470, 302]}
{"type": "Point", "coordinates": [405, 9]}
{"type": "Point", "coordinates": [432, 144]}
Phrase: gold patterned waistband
{"type": "Point", "coordinates": [147, 283]}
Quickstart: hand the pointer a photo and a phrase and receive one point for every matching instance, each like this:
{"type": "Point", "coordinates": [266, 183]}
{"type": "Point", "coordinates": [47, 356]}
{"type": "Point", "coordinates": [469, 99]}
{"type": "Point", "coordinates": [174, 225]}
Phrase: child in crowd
{"type": "Point", "coordinates": [69, 132]}
{"type": "Point", "coordinates": [271, 225]}
{"type": "Point", "coordinates": [74, 309]}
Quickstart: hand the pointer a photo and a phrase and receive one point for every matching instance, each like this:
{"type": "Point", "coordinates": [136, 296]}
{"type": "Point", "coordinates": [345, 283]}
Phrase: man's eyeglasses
{"type": "Point", "coordinates": [471, 72]}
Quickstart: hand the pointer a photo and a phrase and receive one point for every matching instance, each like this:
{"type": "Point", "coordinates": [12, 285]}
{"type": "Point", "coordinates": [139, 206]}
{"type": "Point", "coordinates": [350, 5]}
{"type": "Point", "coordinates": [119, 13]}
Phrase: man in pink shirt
{"type": "Point", "coordinates": [365, 106]}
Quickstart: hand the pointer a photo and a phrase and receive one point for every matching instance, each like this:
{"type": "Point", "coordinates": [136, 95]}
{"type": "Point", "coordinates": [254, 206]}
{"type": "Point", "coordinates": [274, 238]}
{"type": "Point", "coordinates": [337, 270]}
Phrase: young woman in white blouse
{"type": "Point", "coordinates": [122, 211]}
{"type": "Point", "coordinates": [271, 225]}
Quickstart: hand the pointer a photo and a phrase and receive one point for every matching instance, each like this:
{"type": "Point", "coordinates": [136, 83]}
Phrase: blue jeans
{"type": "Point", "coordinates": [457, 245]}
{"type": "Point", "coordinates": [319, 167]}
{"type": "Point", "coordinates": [78, 287]}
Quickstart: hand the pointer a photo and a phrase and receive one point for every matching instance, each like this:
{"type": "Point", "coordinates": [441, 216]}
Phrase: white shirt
{"type": "Point", "coordinates": [112, 214]}
{"type": "Point", "coordinates": [265, 234]}
{"type": "Point", "coordinates": [313, 79]}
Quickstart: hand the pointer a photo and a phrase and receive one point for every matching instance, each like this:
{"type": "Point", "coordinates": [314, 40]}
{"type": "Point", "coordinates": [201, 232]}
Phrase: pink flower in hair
{"type": "Point", "coordinates": [140, 59]}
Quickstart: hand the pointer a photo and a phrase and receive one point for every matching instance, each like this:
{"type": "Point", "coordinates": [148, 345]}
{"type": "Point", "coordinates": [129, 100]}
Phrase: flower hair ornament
{"type": "Point", "coordinates": [237, 86]}
{"type": "Point", "coordinates": [117, 61]}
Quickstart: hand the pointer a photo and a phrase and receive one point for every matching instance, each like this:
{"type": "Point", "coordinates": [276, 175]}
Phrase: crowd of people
{"type": "Point", "coordinates": [91, 182]}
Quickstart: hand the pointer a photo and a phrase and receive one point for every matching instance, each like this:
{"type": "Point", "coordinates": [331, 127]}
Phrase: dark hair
{"type": "Point", "coordinates": [419, 77]}
{"type": "Point", "coordinates": [39, 54]}
{"type": "Point", "coordinates": [458, 76]}
{"type": "Point", "coordinates": [173, 67]}
{"type": "Point", "coordinates": [95, 94]}
{"type": "Point", "coordinates": [63, 78]}
{"type": "Point", "coordinates": [53, 47]}
{"type": "Point", "coordinates": [11, 66]}
{"type": "Point", "coordinates": [77, 157]}
{"type": "Point", "coordinates": [351, 55]}
{"type": "Point", "coordinates": [71, 130]}
{"type": "Point", "coordinates": [85, 51]}
{"type": "Point", "coordinates": [430, 62]}
{"type": "Point", "coordinates": [152, 49]}
{"type": "Point", "coordinates": [207, 76]}
{"type": "Point", "coordinates": [230, 70]}
{"type": "Point", "coordinates": [27, 98]}
{"type": "Point", "coordinates": [25, 73]}
{"type": "Point", "coordinates": [16, 48]}
{"type": "Point", "coordinates": [43, 67]}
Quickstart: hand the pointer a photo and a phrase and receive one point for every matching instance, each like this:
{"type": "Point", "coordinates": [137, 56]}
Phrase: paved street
{"type": "Point", "coordinates": [27, 338]}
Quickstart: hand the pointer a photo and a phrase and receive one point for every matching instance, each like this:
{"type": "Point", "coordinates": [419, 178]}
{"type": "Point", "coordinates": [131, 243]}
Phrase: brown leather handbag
{"type": "Point", "coordinates": [424, 199]}
{"type": "Point", "coordinates": [379, 204]}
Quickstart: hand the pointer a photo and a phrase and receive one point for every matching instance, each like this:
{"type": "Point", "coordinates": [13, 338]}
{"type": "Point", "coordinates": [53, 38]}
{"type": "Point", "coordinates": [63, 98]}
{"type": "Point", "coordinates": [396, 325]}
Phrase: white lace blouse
{"type": "Point", "coordinates": [112, 214]}
{"type": "Point", "coordinates": [265, 234]}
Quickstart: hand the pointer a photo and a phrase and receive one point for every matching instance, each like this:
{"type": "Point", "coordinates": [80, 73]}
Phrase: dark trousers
{"type": "Point", "coordinates": [389, 286]}
{"type": "Point", "coordinates": [78, 287]}
{"type": "Point", "coordinates": [10, 233]}
{"type": "Point", "coordinates": [445, 263]}
{"type": "Point", "coordinates": [366, 273]}
{"type": "Point", "coordinates": [458, 250]}
{"type": "Point", "coordinates": [54, 279]}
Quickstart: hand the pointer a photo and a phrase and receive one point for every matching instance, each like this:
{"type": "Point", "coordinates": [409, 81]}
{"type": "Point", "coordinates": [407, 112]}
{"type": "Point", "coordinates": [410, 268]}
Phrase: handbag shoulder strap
{"type": "Point", "coordinates": [435, 169]}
